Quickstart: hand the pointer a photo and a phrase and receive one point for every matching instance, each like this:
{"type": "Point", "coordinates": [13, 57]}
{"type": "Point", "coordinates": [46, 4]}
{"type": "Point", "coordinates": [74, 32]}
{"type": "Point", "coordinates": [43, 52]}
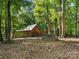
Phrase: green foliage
{"type": "Point", "coordinates": [40, 12]}
{"type": "Point", "coordinates": [26, 12]}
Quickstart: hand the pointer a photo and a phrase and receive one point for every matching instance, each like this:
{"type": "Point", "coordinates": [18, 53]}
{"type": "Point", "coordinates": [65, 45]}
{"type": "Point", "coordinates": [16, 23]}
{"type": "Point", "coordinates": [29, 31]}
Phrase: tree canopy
{"type": "Point", "coordinates": [59, 17]}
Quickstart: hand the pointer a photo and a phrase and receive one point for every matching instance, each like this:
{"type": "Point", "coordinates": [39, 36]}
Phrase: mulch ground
{"type": "Point", "coordinates": [39, 49]}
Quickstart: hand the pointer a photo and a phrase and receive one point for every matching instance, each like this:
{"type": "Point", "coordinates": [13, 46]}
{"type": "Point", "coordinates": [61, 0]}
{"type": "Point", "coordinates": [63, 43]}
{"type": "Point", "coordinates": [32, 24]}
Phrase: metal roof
{"type": "Point", "coordinates": [29, 28]}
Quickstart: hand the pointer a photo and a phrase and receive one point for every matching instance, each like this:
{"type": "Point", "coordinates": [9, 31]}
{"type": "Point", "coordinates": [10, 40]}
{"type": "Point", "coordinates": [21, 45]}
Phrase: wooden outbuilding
{"type": "Point", "coordinates": [30, 31]}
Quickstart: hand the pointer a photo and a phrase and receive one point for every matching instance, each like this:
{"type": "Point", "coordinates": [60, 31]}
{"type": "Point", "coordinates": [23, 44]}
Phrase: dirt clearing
{"type": "Point", "coordinates": [39, 49]}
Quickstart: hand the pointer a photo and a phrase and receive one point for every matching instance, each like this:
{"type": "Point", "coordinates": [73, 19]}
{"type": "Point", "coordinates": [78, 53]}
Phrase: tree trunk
{"type": "Point", "coordinates": [8, 23]}
{"type": "Point", "coordinates": [76, 19]}
{"type": "Point", "coordinates": [1, 39]}
{"type": "Point", "coordinates": [60, 28]}
{"type": "Point", "coordinates": [48, 25]}
{"type": "Point", "coordinates": [60, 22]}
{"type": "Point", "coordinates": [56, 32]}
{"type": "Point", "coordinates": [63, 19]}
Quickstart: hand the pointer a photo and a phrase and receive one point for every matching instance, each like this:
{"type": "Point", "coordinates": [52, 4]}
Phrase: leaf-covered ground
{"type": "Point", "coordinates": [39, 49]}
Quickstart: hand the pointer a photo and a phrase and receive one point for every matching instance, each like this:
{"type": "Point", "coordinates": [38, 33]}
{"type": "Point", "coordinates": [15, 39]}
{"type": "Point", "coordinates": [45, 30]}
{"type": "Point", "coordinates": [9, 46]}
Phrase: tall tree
{"type": "Point", "coordinates": [1, 39]}
{"type": "Point", "coordinates": [47, 17]}
{"type": "Point", "coordinates": [60, 20]}
{"type": "Point", "coordinates": [76, 8]}
{"type": "Point", "coordinates": [63, 19]}
{"type": "Point", "coordinates": [8, 22]}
